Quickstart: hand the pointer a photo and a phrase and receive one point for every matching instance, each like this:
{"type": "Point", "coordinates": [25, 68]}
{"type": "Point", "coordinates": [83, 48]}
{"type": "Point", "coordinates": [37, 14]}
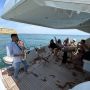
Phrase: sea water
{"type": "Point", "coordinates": [34, 40]}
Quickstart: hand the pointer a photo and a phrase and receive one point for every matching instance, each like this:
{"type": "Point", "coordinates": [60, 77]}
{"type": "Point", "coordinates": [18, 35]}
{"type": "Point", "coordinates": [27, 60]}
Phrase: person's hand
{"type": "Point", "coordinates": [16, 55]}
{"type": "Point", "coordinates": [22, 54]}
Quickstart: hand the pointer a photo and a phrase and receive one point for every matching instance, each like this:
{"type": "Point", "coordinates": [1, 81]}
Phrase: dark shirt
{"type": "Point", "coordinates": [87, 55]}
{"type": "Point", "coordinates": [52, 45]}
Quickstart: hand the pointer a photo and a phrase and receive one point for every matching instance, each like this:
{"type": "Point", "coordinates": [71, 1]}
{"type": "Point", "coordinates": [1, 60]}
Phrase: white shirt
{"type": "Point", "coordinates": [12, 49]}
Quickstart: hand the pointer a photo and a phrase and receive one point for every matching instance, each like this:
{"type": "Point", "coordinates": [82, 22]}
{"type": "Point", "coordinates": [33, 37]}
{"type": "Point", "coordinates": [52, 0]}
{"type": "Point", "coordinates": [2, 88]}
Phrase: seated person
{"type": "Point", "coordinates": [66, 42]}
{"type": "Point", "coordinates": [83, 46]}
{"type": "Point", "coordinates": [77, 59]}
{"type": "Point", "coordinates": [65, 50]}
{"type": "Point", "coordinates": [58, 43]}
{"type": "Point", "coordinates": [53, 46]}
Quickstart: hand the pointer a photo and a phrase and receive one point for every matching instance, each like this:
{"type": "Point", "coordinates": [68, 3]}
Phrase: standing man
{"type": "Point", "coordinates": [15, 51]}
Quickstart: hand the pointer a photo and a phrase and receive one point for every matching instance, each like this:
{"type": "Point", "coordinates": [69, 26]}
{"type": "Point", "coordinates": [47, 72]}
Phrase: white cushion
{"type": "Point", "coordinates": [82, 86]}
{"type": "Point", "coordinates": [8, 59]}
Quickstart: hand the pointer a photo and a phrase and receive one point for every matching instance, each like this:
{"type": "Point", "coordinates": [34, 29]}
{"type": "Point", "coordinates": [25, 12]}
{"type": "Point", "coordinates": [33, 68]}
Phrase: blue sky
{"type": "Point", "coordinates": [28, 28]}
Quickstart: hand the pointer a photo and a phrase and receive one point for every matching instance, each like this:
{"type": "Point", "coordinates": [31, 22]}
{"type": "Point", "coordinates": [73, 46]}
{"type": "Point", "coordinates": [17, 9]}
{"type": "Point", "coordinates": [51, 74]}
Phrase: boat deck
{"type": "Point", "coordinates": [45, 76]}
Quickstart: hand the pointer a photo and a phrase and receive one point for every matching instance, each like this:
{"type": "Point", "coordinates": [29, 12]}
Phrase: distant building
{"type": "Point", "coordinates": [7, 31]}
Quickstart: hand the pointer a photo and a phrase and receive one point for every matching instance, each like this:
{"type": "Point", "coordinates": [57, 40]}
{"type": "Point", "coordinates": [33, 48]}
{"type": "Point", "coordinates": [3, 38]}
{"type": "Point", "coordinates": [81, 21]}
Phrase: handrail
{"type": "Point", "coordinates": [74, 6]}
{"type": "Point", "coordinates": [72, 1]}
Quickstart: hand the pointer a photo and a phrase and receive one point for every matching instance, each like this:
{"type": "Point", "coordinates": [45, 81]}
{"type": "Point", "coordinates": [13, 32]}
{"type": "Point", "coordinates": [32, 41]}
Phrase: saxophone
{"type": "Point", "coordinates": [25, 52]}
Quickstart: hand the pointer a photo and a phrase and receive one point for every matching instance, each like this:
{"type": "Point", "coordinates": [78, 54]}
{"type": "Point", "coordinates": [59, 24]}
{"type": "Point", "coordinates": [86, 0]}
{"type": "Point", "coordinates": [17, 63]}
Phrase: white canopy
{"type": "Point", "coordinates": [50, 13]}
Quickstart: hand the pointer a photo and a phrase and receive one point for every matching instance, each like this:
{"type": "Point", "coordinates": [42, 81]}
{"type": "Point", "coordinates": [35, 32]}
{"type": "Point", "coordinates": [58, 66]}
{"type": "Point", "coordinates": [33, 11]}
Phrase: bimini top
{"type": "Point", "coordinates": [50, 13]}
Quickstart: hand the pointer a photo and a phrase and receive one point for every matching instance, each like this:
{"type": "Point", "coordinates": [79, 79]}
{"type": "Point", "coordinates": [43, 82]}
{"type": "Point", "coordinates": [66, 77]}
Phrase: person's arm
{"type": "Point", "coordinates": [55, 40]}
{"type": "Point", "coordinates": [9, 50]}
{"type": "Point", "coordinates": [16, 55]}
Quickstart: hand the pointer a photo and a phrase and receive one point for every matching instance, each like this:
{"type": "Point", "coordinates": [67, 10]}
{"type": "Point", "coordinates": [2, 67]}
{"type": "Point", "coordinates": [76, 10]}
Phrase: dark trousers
{"type": "Point", "coordinates": [64, 57]}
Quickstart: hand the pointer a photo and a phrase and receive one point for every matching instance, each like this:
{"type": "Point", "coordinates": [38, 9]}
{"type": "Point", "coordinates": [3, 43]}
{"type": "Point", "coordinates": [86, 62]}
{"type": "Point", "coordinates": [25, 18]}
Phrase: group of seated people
{"type": "Point", "coordinates": [77, 50]}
